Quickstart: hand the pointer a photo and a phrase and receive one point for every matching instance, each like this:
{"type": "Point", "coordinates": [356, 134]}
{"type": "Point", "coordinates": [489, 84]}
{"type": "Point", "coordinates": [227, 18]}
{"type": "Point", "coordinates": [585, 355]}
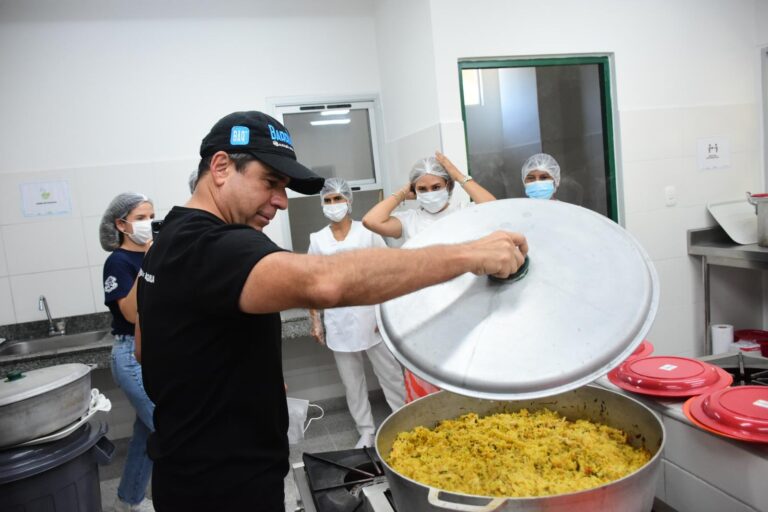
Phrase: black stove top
{"type": "Point", "coordinates": [336, 479]}
{"type": "Point", "coordinates": [746, 370]}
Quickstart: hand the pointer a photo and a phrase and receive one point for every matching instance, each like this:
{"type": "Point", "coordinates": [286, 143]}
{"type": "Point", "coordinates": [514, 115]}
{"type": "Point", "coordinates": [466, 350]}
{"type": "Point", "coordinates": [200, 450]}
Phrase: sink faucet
{"type": "Point", "coordinates": [53, 330]}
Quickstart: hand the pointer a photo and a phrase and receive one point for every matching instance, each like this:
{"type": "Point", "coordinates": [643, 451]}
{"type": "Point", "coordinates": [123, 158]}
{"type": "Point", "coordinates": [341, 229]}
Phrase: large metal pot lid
{"type": "Point", "coordinates": [589, 297]}
{"type": "Point", "coordinates": [18, 386]}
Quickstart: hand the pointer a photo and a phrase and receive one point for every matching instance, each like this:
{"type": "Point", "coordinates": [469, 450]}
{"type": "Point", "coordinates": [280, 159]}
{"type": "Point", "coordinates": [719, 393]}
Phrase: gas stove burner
{"type": "Point", "coordinates": [746, 370]}
{"type": "Point", "coordinates": [336, 478]}
{"type": "Point", "coordinates": [748, 376]}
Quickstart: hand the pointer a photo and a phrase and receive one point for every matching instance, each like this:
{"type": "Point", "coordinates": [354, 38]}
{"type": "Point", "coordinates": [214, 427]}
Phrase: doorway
{"type": "Point", "coordinates": [561, 106]}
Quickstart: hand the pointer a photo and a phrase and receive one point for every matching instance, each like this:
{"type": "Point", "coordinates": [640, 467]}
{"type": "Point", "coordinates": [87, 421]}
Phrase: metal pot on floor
{"type": "Point", "coordinates": [584, 302]}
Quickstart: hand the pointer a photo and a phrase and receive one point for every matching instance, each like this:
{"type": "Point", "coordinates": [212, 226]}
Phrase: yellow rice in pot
{"type": "Point", "coordinates": [518, 454]}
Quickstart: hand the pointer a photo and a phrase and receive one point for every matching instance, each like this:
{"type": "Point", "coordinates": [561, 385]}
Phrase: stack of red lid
{"type": "Point", "coordinates": [738, 412]}
{"type": "Point", "coordinates": [669, 376]}
{"type": "Point", "coordinates": [755, 336]}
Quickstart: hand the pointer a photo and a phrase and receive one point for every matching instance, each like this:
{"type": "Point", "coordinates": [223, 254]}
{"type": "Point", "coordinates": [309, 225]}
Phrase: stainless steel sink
{"type": "Point", "coordinates": [53, 343]}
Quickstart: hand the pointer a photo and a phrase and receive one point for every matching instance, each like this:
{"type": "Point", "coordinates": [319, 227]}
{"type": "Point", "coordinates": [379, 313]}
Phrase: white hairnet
{"type": "Point", "coordinates": [337, 186]}
{"type": "Point", "coordinates": [119, 208]}
{"type": "Point", "coordinates": [542, 162]}
{"type": "Point", "coordinates": [192, 181]}
{"type": "Point", "coordinates": [430, 165]}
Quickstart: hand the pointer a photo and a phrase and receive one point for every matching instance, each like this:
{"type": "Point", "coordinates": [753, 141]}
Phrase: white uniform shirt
{"type": "Point", "coordinates": [349, 329]}
{"type": "Point", "coordinates": [416, 220]}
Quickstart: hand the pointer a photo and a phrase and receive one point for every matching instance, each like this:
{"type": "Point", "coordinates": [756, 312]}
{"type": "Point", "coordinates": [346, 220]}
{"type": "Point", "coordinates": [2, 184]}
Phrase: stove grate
{"type": "Point", "coordinates": [336, 479]}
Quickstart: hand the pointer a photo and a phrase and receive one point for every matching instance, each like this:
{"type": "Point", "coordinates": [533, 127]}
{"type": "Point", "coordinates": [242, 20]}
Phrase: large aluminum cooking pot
{"type": "Point", "coordinates": [633, 493]}
{"type": "Point", "coordinates": [39, 402]}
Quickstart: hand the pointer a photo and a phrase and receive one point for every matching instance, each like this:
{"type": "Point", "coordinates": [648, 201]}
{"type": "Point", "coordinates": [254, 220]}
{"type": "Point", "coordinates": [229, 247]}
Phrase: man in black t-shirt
{"type": "Point", "coordinates": [210, 292]}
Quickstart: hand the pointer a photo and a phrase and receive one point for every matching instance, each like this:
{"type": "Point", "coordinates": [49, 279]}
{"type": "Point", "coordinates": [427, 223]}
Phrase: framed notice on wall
{"type": "Point", "coordinates": [45, 198]}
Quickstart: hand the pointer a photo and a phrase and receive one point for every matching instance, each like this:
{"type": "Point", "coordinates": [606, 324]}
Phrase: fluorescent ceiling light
{"type": "Point", "coordinates": [330, 121]}
{"type": "Point", "coordinates": [339, 112]}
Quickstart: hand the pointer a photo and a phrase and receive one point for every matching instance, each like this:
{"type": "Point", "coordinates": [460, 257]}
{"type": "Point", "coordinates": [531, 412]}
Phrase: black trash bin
{"type": "Point", "coordinates": [60, 476]}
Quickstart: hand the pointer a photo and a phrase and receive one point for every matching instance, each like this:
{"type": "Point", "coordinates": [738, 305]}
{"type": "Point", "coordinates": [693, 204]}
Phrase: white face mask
{"type": "Point", "coordinates": [433, 202]}
{"type": "Point", "coordinates": [142, 231]}
{"type": "Point", "coordinates": [335, 212]}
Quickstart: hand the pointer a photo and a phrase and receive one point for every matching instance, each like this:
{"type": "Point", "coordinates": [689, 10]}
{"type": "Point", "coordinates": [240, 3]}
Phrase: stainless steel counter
{"type": "Point", "coordinates": [715, 247]}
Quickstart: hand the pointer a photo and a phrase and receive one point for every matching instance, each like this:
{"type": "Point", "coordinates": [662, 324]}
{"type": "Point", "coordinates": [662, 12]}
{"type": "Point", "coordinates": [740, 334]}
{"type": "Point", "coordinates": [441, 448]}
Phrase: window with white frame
{"type": "Point", "coordinates": [334, 139]}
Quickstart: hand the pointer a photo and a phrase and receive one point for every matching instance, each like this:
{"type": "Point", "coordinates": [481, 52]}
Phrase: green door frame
{"type": "Point", "coordinates": [604, 67]}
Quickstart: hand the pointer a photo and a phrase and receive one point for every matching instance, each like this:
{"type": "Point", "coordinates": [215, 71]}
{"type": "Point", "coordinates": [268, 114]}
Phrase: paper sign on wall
{"type": "Point", "coordinates": [714, 153]}
{"type": "Point", "coordinates": [45, 198]}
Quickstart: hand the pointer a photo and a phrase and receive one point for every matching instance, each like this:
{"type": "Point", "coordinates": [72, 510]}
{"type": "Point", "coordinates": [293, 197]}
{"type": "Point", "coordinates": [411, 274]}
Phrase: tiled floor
{"type": "Point", "coordinates": [336, 431]}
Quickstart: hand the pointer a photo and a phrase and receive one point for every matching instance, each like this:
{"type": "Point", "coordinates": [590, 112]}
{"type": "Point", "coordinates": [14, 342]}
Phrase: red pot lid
{"type": "Point", "coordinates": [669, 376]}
{"type": "Point", "coordinates": [643, 350]}
{"type": "Point", "coordinates": [740, 412]}
{"type": "Point", "coordinates": [751, 335]}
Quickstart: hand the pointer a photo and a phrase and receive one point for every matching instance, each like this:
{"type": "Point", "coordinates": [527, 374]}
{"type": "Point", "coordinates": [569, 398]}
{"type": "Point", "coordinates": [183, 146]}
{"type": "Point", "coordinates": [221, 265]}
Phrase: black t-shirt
{"type": "Point", "coordinates": [120, 271]}
{"type": "Point", "coordinates": [213, 372]}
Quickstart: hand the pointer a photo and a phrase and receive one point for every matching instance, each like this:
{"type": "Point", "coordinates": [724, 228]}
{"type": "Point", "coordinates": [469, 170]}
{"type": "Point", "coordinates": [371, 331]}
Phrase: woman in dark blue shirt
{"type": "Point", "coordinates": [126, 232]}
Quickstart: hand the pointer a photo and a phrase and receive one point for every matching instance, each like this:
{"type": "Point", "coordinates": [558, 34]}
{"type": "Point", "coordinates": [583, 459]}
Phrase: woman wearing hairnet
{"type": "Point", "coordinates": [351, 331]}
{"type": "Point", "coordinates": [541, 176]}
{"type": "Point", "coordinates": [126, 232]}
{"type": "Point", "coordinates": [431, 183]}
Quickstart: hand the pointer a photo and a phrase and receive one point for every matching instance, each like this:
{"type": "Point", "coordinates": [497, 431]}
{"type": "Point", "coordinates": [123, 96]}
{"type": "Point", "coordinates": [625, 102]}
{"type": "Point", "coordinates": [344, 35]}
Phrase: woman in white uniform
{"type": "Point", "coordinates": [351, 331]}
{"type": "Point", "coordinates": [431, 183]}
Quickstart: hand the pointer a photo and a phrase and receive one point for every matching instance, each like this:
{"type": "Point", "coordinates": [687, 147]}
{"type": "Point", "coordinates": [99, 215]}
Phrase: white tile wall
{"type": "Point", "coordinates": [657, 232]}
{"type": "Point", "coordinates": [651, 134]}
{"type": "Point", "coordinates": [42, 246]}
{"type": "Point", "coordinates": [97, 287]}
{"type": "Point", "coordinates": [659, 150]}
{"type": "Point", "coordinates": [98, 185]}
{"type": "Point", "coordinates": [68, 292]}
{"type": "Point", "coordinates": [7, 314]}
{"type": "Point", "coordinates": [61, 256]}
{"type": "Point", "coordinates": [3, 265]}
{"type": "Point", "coordinates": [170, 183]}
{"type": "Point", "coordinates": [737, 123]}
{"type": "Point", "coordinates": [96, 255]}
{"type": "Point", "coordinates": [645, 180]}
{"type": "Point", "coordinates": [670, 280]}
{"type": "Point", "coordinates": [11, 211]}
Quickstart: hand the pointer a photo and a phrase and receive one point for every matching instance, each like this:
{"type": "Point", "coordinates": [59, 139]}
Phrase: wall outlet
{"type": "Point", "coordinates": [670, 195]}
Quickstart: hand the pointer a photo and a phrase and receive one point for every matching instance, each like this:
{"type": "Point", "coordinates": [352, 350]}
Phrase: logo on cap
{"type": "Point", "coordinates": [280, 136]}
{"type": "Point", "coordinates": [239, 136]}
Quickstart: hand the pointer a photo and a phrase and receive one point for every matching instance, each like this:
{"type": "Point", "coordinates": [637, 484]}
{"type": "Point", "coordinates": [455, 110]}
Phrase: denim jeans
{"type": "Point", "coordinates": [138, 467]}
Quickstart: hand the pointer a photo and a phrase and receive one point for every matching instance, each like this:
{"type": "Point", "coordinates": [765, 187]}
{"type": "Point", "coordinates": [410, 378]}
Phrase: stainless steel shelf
{"type": "Point", "coordinates": [715, 247]}
{"type": "Point", "coordinates": [718, 249]}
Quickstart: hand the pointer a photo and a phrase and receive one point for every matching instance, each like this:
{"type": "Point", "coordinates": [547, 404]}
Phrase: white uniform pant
{"type": "Point", "coordinates": [352, 372]}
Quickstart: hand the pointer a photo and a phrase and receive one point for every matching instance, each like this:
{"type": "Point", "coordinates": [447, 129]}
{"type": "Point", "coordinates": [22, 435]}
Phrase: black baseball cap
{"type": "Point", "coordinates": [262, 136]}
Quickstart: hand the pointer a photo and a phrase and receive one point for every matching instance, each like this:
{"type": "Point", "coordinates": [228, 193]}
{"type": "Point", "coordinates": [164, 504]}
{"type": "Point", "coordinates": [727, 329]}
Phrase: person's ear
{"type": "Point", "coordinates": [220, 164]}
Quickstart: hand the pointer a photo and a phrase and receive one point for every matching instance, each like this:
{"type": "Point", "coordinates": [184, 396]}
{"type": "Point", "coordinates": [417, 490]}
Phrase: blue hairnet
{"type": "Point", "coordinates": [337, 186]}
{"type": "Point", "coordinates": [119, 208]}
{"type": "Point", "coordinates": [542, 162]}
